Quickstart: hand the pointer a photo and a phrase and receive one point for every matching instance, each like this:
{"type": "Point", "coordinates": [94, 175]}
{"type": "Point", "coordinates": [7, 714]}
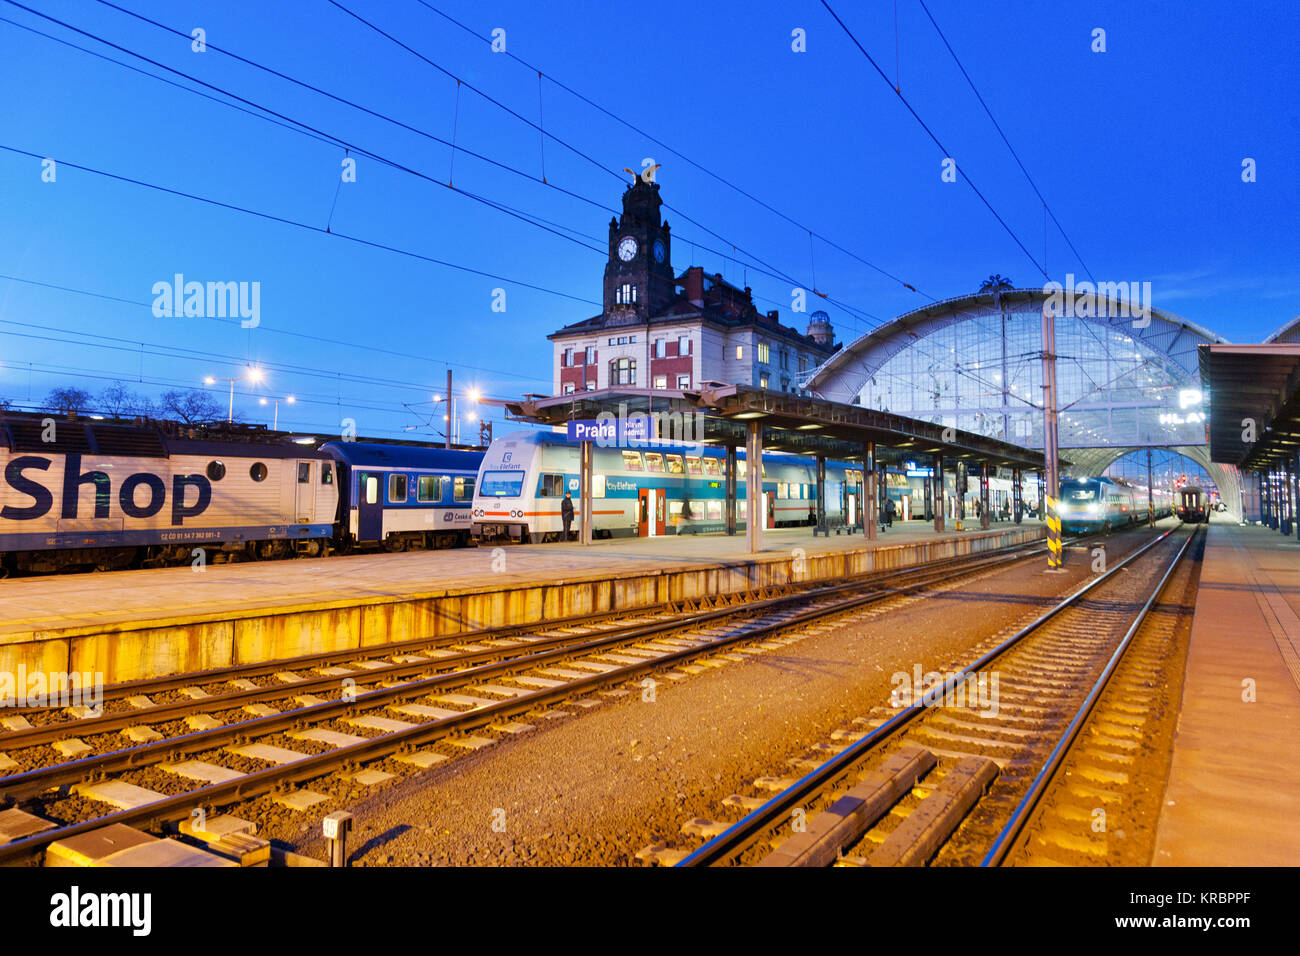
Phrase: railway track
{"type": "Point", "coordinates": [952, 773]}
{"type": "Point", "coordinates": [416, 712]}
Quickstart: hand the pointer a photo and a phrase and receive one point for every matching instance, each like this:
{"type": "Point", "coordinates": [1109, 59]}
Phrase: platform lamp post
{"type": "Point", "coordinates": [288, 400]}
{"type": "Point", "coordinates": [252, 375]}
{"type": "Point", "coordinates": [1051, 487]}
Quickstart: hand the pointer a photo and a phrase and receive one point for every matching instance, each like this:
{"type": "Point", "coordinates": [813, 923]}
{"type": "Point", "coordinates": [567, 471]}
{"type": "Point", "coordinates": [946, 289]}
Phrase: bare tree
{"type": "Point", "coordinates": [67, 400]}
{"type": "Point", "coordinates": [119, 401]}
{"type": "Point", "coordinates": [190, 405]}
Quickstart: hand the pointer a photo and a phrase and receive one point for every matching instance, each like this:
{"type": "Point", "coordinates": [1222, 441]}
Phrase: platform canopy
{"type": "Point", "coordinates": [1253, 389]}
{"type": "Point", "coordinates": [791, 423]}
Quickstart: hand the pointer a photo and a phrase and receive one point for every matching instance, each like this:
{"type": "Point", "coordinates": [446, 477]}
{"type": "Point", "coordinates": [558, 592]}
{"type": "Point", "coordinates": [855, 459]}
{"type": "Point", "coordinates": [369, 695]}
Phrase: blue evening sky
{"type": "Point", "coordinates": [1138, 151]}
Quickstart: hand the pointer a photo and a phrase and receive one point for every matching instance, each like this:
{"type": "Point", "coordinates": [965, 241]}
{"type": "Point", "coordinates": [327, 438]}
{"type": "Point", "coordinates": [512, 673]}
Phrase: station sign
{"type": "Point", "coordinates": [612, 431]}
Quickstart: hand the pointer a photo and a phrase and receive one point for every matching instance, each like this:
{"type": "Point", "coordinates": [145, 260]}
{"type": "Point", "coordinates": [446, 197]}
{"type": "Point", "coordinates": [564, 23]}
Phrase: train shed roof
{"type": "Point", "coordinates": [791, 423]}
{"type": "Point", "coordinates": [1254, 391]}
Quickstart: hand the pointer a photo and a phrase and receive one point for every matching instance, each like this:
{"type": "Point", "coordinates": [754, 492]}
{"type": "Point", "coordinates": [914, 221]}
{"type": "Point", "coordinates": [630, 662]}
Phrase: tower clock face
{"type": "Point", "coordinates": [627, 249]}
{"type": "Point", "coordinates": [659, 251]}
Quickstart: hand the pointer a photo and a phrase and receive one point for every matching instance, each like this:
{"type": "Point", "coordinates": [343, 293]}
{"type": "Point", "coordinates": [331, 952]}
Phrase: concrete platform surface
{"type": "Point", "coordinates": [1233, 796]}
{"type": "Point", "coordinates": [68, 602]}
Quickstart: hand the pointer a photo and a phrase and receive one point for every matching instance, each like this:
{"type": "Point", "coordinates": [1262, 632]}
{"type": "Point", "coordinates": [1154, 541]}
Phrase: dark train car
{"type": "Point", "coordinates": [1192, 504]}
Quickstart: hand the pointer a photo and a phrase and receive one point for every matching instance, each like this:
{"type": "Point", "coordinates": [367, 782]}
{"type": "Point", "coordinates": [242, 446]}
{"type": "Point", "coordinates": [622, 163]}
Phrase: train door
{"type": "Point", "coordinates": [851, 508]}
{"type": "Point", "coordinates": [370, 506]}
{"type": "Point", "coordinates": [771, 508]}
{"type": "Point", "coordinates": [304, 496]}
{"type": "Point", "coordinates": [650, 517]}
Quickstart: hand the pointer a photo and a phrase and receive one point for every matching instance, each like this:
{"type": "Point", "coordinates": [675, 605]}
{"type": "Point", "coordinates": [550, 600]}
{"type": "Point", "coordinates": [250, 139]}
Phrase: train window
{"type": "Point", "coordinates": [428, 488]}
{"type": "Point", "coordinates": [397, 488]}
{"type": "Point", "coordinates": [692, 465]}
{"type": "Point", "coordinates": [372, 490]}
{"type": "Point", "coordinates": [304, 472]}
{"type": "Point", "coordinates": [654, 461]}
{"type": "Point", "coordinates": [782, 490]}
{"type": "Point", "coordinates": [742, 506]}
{"type": "Point", "coordinates": [499, 484]}
{"type": "Point", "coordinates": [463, 489]}
{"type": "Point", "coordinates": [675, 464]}
{"type": "Point", "coordinates": [741, 470]}
{"type": "Point", "coordinates": [327, 474]}
{"type": "Point", "coordinates": [216, 470]}
{"type": "Point", "coordinates": [632, 460]}
{"type": "Point", "coordinates": [598, 486]}
{"type": "Point", "coordinates": [257, 472]}
{"type": "Point", "coordinates": [552, 486]}
{"type": "Point", "coordinates": [712, 466]}
{"type": "Point", "coordinates": [714, 511]}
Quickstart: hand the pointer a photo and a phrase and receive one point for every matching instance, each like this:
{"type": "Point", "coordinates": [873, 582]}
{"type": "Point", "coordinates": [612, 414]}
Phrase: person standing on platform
{"type": "Point", "coordinates": [566, 513]}
{"type": "Point", "coordinates": [889, 512]}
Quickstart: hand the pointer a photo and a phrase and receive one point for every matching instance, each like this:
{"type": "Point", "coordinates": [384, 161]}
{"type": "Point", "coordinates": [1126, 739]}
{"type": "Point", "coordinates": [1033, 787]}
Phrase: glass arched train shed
{"type": "Point", "coordinates": [1124, 382]}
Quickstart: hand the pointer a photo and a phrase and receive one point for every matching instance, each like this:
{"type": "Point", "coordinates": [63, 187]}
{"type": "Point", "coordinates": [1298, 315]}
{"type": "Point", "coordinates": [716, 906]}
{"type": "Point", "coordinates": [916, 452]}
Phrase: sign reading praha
{"type": "Point", "coordinates": [612, 431]}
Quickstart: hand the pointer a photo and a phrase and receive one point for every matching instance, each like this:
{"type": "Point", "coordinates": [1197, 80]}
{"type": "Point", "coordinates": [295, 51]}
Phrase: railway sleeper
{"type": "Point", "coordinates": [844, 821]}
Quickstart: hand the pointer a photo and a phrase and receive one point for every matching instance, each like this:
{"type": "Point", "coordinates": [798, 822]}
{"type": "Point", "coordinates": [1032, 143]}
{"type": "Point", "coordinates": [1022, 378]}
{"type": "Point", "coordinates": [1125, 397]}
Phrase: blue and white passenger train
{"type": "Point", "coordinates": [404, 497]}
{"type": "Point", "coordinates": [653, 489]}
{"type": "Point", "coordinates": [1104, 504]}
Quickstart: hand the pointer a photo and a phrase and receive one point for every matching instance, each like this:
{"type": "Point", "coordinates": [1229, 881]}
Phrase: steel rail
{"type": "Point", "coordinates": [107, 723]}
{"type": "Point", "coordinates": [503, 631]}
{"type": "Point", "coordinates": [312, 766]}
{"type": "Point", "coordinates": [758, 821]}
{"type": "Point", "coordinates": [1020, 816]}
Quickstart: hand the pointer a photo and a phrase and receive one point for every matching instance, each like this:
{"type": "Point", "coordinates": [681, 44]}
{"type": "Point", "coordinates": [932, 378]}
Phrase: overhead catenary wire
{"type": "Point", "coordinates": [340, 141]}
{"type": "Point", "coordinates": [996, 125]}
{"type": "Point", "coordinates": [929, 132]}
{"type": "Point", "coordinates": [678, 153]}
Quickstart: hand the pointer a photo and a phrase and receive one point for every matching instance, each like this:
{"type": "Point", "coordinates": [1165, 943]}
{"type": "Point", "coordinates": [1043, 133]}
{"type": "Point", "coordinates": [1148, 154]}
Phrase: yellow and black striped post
{"type": "Point", "coordinates": [1053, 533]}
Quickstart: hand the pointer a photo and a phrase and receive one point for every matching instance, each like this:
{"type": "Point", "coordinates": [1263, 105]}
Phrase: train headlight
{"type": "Point", "coordinates": [1094, 509]}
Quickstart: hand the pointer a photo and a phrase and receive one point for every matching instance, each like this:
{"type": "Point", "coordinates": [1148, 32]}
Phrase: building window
{"type": "Point", "coordinates": [661, 348]}
{"type": "Point", "coordinates": [567, 359]}
{"type": "Point", "coordinates": [591, 355]}
{"type": "Point", "coordinates": [785, 383]}
{"type": "Point", "coordinates": [740, 353]}
{"type": "Point", "coordinates": [611, 341]}
{"type": "Point", "coordinates": [591, 386]}
{"type": "Point", "coordinates": [568, 388]}
{"type": "Point", "coordinates": [803, 364]}
{"type": "Point", "coordinates": [785, 358]}
{"type": "Point", "coordinates": [684, 345]}
{"type": "Point", "coordinates": [622, 371]}
{"type": "Point", "coordinates": [625, 294]}
{"type": "Point", "coordinates": [764, 354]}
{"type": "Point", "coordinates": [684, 380]}
{"type": "Point", "coordinates": [762, 381]}
{"type": "Point", "coordinates": [661, 381]}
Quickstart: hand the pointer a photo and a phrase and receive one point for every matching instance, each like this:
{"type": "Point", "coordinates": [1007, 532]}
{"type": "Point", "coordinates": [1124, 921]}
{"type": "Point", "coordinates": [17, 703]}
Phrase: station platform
{"type": "Point", "coordinates": [1233, 795]}
{"type": "Point", "coordinates": [131, 625]}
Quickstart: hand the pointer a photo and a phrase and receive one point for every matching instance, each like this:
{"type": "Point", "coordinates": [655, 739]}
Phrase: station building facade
{"type": "Point", "coordinates": [660, 330]}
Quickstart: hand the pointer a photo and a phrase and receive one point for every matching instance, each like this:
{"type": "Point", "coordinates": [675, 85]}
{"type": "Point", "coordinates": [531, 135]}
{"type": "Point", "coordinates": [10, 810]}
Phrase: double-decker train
{"type": "Point", "coordinates": [645, 490]}
{"type": "Point", "coordinates": [1103, 504]}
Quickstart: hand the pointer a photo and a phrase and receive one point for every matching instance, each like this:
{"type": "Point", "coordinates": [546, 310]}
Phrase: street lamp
{"type": "Point", "coordinates": [252, 374]}
{"type": "Point", "coordinates": [288, 400]}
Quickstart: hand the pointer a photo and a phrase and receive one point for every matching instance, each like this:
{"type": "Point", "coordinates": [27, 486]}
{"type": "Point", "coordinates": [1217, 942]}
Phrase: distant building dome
{"type": "Point", "coordinates": [819, 327]}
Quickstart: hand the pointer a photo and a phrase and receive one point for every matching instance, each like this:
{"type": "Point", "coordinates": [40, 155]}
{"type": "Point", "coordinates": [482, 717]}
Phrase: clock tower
{"type": "Point", "coordinates": [639, 274]}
